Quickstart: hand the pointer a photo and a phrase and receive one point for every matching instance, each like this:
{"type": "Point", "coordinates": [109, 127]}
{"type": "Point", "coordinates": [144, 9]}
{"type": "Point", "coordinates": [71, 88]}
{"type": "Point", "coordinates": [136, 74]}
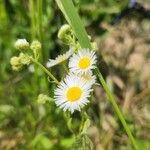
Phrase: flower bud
{"type": "Point", "coordinates": [24, 59]}
{"type": "Point", "coordinates": [15, 61]}
{"type": "Point", "coordinates": [42, 99]}
{"type": "Point", "coordinates": [36, 48]}
{"type": "Point", "coordinates": [16, 68]}
{"type": "Point", "coordinates": [94, 46]}
{"type": "Point", "coordinates": [64, 33]}
{"type": "Point", "coordinates": [35, 45]}
{"type": "Point", "coordinates": [21, 44]}
{"type": "Point", "coordinates": [16, 64]}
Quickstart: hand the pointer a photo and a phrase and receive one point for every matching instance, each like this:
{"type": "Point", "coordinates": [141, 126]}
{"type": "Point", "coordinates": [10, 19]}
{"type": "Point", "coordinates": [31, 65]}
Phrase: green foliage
{"type": "Point", "coordinates": [30, 121]}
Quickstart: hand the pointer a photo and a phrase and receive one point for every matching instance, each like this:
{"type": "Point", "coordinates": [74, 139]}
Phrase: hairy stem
{"type": "Point", "coordinates": [45, 70]}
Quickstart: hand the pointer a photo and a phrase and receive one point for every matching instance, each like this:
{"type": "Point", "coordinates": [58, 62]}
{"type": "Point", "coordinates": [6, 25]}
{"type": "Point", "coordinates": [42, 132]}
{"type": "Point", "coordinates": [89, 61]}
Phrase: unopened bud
{"type": "Point", "coordinates": [64, 33]}
{"type": "Point", "coordinates": [22, 44]}
{"type": "Point", "coordinates": [17, 68]}
{"type": "Point", "coordinates": [15, 61]}
{"type": "Point", "coordinates": [42, 99]}
{"type": "Point", "coordinates": [36, 48]}
{"type": "Point", "coordinates": [94, 46]}
{"type": "Point", "coordinates": [24, 59]}
{"type": "Point", "coordinates": [16, 64]}
{"type": "Point", "coordinates": [35, 45]}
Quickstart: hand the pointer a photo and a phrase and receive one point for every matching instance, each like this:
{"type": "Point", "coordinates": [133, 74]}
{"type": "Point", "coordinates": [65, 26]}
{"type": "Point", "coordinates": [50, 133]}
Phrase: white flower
{"type": "Point", "coordinates": [72, 93]}
{"type": "Point", "coordinates": [60, 58]}
{"type": "Point", "coordinates": [82, 62]}
{"type": "Point", "coordinates": [21, 44]}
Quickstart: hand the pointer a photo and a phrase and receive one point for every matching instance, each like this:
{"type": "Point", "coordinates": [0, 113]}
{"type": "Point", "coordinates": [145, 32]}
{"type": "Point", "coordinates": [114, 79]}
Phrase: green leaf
{"type": "Point", "coordinates": [74, 20]}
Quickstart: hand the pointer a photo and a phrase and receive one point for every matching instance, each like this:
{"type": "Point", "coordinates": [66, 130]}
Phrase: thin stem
{"type": "Point", "coordinates": [33, 20]}
{"type": "Point", "coordinates": [116, 108]}
{"type": "Point", "coordinates": [65, 67]}
{"type": "Point", "coordinates": [45, 70]}
{"type": "Point", "coordinates": [39, 18]}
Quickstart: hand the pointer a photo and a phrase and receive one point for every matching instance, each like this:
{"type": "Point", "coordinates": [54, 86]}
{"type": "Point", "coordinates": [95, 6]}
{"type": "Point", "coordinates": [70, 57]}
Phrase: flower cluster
{"type": "Point", "coordinates": [25, 55]}
{"type": "Point", "coordinates": [74, 90]}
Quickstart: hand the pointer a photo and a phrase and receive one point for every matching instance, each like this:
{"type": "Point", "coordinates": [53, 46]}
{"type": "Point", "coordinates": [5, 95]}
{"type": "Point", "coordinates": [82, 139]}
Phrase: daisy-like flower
{"type": "Point", "coordinates": [82, 62]}
{"type": "Point", "coordinates": [72, 93]}
{"type": "Point", "coordinates": [60, 58]}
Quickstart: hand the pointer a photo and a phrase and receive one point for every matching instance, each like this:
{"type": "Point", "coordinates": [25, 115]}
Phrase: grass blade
{"type": "Point", "coordinates": [74, 20]}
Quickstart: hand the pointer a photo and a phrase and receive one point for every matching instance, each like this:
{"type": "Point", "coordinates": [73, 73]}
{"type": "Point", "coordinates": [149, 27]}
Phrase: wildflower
{"type": "Point", "coordinates": [82, 62]}
{"type": "Point", "coordinates": [22, 44]}
{"type": "Point", "coordinates": [60, 58]}
{"type": "Point", "coordinates": [72, 93]}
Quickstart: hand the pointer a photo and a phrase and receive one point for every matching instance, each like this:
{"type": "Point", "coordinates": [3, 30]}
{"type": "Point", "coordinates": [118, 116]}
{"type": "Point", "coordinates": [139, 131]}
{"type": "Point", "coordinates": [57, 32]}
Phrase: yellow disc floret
{"type": "Point", "coordinates": [84, 63]}
{"type": "Point", "coordinates": [74, 93]}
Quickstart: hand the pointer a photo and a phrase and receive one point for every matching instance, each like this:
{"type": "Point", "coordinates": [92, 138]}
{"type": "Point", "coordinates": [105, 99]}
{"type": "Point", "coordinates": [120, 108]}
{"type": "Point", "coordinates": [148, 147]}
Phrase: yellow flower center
{"type": "Point", "coordinates": [74, 93]}
{"type": "Point", "coordinates": [84, 63]}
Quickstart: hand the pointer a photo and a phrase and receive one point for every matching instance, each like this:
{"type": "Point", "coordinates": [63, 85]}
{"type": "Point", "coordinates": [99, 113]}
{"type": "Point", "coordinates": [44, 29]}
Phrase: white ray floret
{"type": "Point", "coordinates": [72, 93]}
{"type": "Point", "coordinates": [82, 62]}
{"type": "Point", "coordinates": [60, 58]}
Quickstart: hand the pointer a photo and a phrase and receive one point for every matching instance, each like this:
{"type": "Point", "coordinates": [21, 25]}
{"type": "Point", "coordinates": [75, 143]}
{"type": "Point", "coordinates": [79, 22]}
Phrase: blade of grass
{"type": "Point", "coordinates": [74, 20]}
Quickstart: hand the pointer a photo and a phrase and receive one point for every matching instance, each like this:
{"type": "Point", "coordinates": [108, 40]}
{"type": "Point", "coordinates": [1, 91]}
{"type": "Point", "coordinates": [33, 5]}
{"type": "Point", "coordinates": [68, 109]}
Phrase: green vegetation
{"type": "Point", "coordinates": [29, 117]}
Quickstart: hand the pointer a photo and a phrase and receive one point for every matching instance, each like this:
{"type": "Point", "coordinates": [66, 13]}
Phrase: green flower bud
{"type": "Point", "coordinates": [17, 68]}
{"type": "Point", "coordinates": [94, 46]}
{"type": "Point", "coordinates": [15, 61]}
{"type": "Point", "coordinates": [42, 99]}
{"type": "Point", "coordinates": [35, 45]}
{"type": "Point", "coordinates": [36, 48]}
{"type": "Point", "coordinates": [16, 64]}
{"type": "Point", "coordinates": [64, 34]}
{"type": "Point", "coordinates": [22, 44]}
{"type": "Point", "coordinates": [24, 59]}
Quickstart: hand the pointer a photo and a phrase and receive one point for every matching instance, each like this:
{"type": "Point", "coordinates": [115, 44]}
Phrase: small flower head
{"type": "Point", "coordinates": [35, 45]}
{"type": "Point", "coordinates": [72, 93]}
{"type": "Point", "coordinates": [42, 99]}
{"type": "Point", "coordinates": [16, 64]}
{"type": "Point", "coordinates": [64, 33]}
{"type": "Point", "coordinates": [36, 48]}
{"type": "Point", "coordinates": [82, 62]}
{"type": "Point", "coordinates": [24, 59]}
{"type": "Point", "coordinates": [22, 44]}
{"type": "Point", "coordinates": [59, 59]}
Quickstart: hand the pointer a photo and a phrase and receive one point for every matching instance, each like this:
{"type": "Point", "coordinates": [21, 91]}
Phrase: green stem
{"type": "Point", "coordinates": [33, 19]}
{"type": "Point", "coordinates": [39, 19]}
{"type": "Point", "coordinates": [45, 70]}
{"type": "Point", "coordinates": [116, 108]}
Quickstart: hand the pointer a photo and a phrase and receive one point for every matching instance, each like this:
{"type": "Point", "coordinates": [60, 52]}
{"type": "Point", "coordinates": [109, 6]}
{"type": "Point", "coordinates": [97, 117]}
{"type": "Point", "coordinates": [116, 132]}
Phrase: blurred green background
{"type": "Point", "coordinates": [125, 48]}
